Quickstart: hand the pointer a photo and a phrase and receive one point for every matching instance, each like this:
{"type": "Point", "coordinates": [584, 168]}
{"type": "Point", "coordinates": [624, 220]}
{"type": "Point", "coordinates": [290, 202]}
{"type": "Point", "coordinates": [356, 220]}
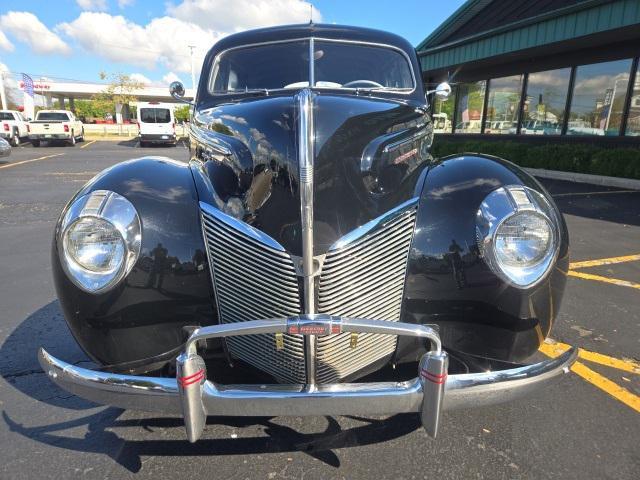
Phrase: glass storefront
{"type": "Point", "coordinates": [503, 105]}
{"type": "Point", "coordinates": [443, 114]}
{"type": "Point", "coordinates": [597, 106]}
{"type": "Point", "coordinates": [598, 98]}
{"type": "Point", "coordinates": [633, 120]}
{"type": "Point", "coordinates": [470, 107]}
{"type": "Point", "coordinates": [545, 102]}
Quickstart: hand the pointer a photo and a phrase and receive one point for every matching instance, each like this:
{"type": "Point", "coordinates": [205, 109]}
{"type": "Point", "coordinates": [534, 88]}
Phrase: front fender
{"type": "Point", "coordinates": [141, 320]}
{"type": "Point", "coordinates": [448, 282]}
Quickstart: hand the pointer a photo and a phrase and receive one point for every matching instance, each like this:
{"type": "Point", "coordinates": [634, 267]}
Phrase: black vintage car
{"type": "Point", "coordinates": [312, 258]}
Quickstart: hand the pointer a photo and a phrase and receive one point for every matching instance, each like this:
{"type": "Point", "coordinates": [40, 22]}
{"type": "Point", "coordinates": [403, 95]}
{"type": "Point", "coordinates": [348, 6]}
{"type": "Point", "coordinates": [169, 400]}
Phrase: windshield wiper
{"type": "Point", "coordinates": [386, 89]}
{"type": "Point", "coordinates": [264, 91]}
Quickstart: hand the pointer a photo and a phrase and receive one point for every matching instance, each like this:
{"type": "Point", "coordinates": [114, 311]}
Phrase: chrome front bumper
{"type": "Point", "coordinates": [194, 397]}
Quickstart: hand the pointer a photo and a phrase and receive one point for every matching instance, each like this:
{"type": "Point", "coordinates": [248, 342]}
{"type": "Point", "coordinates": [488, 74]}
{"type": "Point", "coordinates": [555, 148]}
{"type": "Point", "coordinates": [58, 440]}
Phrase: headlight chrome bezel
{"type": "Point", "coordinates": [120, 213]}
{"type": "Point", "coordinates": [504, 204]}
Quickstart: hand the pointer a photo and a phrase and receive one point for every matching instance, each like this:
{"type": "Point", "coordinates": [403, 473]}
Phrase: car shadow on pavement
{"type": "Point", "coordinates": [46, 327]}
{"type": "Point", "coordinates": [100, 437]}
{"type": "Point", "coordinates": [19, 365]}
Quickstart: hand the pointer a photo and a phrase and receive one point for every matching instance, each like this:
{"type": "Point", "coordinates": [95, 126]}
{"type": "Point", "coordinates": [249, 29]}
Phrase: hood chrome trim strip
{"type": "Point", "coordinates": [305, 162]}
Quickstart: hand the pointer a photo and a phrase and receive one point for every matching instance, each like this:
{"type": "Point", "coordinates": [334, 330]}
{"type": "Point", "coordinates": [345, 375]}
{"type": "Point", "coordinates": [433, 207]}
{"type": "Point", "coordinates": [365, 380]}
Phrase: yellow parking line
{"type": "Point", "coordinates": [626, 365]}
{"type": "Point", "coordinates": [29, 161]}
{"type": "Point", "coordinates": [599, 278]}
{"type": "Point", "coordinates": [604, 261]}
{"type": "Point", "coordinates": [87, 144]}
{"type": "Point", "coordinates": [603, 383]}
{"type": "Point", "coordinates": [597, 380]}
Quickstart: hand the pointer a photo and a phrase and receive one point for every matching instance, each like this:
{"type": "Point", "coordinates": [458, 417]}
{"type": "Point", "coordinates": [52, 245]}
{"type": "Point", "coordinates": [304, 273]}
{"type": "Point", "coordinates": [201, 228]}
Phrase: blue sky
{"type": "Point", "coordinates": [77, 39]}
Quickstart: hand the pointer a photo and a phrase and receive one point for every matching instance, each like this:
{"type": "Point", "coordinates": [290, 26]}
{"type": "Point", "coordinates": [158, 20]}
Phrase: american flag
{"type": "Point", "coordinates": [27, 81]}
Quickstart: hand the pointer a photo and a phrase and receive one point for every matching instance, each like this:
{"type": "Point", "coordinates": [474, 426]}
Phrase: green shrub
{"type": "Point", "coordinates": [581, 158]}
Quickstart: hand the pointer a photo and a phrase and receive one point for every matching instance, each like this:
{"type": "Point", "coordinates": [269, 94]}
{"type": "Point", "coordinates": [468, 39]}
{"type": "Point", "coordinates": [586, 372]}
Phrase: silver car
{"type": "Point", "coordinates": [5, 148]}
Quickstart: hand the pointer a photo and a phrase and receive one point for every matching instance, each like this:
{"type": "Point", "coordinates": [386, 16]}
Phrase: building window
{"type": "Point", "coordinates": [470, 107]}
{"type": "Point", "coordinates": [545, 102]}
{"type": "Point", "coordinates": [633, 120]}
{"type": "Point", "coordinates": [503, 105]}
{"type": "Point", "coordinates": [442, 116]}
{"type": "Point", "coordinates": [598, 98]}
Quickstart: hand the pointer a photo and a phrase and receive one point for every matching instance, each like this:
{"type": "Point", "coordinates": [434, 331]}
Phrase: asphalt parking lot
{"type": "Point", "coordinates": [586, 426]}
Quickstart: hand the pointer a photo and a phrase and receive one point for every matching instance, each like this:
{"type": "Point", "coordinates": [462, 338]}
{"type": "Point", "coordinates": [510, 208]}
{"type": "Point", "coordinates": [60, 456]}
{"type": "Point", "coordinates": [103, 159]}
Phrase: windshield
{"type": "Point", "coordinates": [155, 115]}
{"type": "Point", "coordinates": [361, 66]}
{"type": "Point", "coordinates": [6, 116]}
{"type": "Point", "coordinates": [52, 116]}
{"type": "Point", "coordinates": [335, 65]}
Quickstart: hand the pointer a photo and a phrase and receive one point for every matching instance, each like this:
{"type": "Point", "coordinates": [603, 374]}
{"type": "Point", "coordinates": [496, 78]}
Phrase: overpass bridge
{"type": "Point", "coordinates": [67, 92]}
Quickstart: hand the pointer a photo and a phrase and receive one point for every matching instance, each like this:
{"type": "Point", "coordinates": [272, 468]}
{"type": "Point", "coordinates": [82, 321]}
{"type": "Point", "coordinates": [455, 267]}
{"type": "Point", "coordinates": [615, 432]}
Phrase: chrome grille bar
{"type": "Point", "coordinates": [363, 276]}
{"type": "Point", "coordinates": [254, 278]}
{"type": "Point", "coordinates": [305, 162]}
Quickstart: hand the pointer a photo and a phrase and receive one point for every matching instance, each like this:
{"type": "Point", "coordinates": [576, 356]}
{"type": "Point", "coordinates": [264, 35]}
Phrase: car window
{"type": "Point", "coordinates": [155, 115]}
{"type": "Point", "coordinates": [59, 116]}
{"type": "Point", "coordinates": [6, 116]}
{"type": "Point", "coordinates": [286, 65]}
{"type": "Point", "coordinates": [361, 66]}
{"type": "Point", "coordinates": [270, 66]}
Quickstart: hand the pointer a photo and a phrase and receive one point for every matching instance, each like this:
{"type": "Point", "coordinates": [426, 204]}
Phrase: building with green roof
{"type": "Point", "coordinates": [538, 70]}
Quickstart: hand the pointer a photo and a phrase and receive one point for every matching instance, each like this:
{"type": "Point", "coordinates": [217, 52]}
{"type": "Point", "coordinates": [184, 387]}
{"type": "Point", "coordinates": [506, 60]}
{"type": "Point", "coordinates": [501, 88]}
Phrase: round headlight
{"type": "Point", "coordinates": [523, 239]}
{"type": "Point", "coordinates": [99, 239]}
{"type": "Point", "coordinates": [95, 244]}
{"type": "Point", "coordinates": [518, 234]}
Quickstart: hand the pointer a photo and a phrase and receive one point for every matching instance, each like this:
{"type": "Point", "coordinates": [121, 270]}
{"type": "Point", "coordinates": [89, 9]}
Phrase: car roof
{"type": "Point", "coordinates": [320, 30]}
{"type": "Point", "coordinates": [316, 30]}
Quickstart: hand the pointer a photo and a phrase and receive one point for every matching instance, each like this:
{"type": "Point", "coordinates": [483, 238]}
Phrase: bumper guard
{"type": "Point", "coordinates": [194, 397]}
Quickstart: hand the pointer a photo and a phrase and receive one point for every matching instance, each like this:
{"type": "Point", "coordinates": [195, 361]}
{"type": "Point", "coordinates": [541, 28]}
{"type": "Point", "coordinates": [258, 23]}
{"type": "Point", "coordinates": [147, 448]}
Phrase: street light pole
{"type": "Point", "coordinates": [193, 74]}
{"type": "Point", "coordinates": [3, 96]}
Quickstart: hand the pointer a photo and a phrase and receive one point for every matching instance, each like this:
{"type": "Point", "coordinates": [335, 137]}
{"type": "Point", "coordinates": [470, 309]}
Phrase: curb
{"type": "Point", "coordinates": [618, 182]}
{"type": "Point", "coordinates": [90, 138]}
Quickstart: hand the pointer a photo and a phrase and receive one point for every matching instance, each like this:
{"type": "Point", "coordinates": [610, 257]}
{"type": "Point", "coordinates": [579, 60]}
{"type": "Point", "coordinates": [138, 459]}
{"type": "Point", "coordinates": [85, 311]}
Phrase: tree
{"type": "Point", "coordinates": [182, 113]}
{"type": "Point", "coordinates": [120, 91]}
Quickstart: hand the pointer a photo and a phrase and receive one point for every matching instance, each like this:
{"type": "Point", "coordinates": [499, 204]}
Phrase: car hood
{"type": "Point", "coordinates": [367, 155]}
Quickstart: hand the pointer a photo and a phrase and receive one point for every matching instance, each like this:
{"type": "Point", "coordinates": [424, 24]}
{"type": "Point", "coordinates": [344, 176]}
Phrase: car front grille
{"type": "Point", "coordinates": [253, 280]}
{"type": "Point", "coordinates": [363, 277]}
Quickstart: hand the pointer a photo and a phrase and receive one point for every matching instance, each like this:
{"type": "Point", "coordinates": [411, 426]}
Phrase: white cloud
{"type": "Point", "coordinates": [164, 40]}
{"type": "Point", "coordinates": [11, 86]}
{"type": "Point", "coordinates": [125, 3]}
{"type": "Point", "coordinates": [222, 15]}
{"type": "Point", "coordinates": [26, 27]}
{"type": "Point", "coordinates": [599, 84]}
{"type": "Point", "coordinates": [138, 77]}
{"type": "Point", "coordinates": [5, 44]}
{"type": "Point", "coordinates": [92, 5]}
{"type": "Point", "coordinates": [170, 77]}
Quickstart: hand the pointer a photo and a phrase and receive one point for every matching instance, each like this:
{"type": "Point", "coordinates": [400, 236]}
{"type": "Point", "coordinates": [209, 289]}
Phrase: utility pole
{"type": "Point", "coordinates": [193, 73]}
{"type": "Point", "coordinates": [2, 93]}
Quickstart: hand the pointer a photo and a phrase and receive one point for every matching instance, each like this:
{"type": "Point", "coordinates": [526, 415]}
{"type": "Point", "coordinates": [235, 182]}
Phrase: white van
{"type": "Point", "coordinates": [156, 123]}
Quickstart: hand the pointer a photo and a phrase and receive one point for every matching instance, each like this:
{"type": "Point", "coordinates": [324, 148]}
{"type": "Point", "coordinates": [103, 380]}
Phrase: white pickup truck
{"type": "Point", "coordinates": [13, 126]}
{"type": "Point", "coordinates": [55, 125]}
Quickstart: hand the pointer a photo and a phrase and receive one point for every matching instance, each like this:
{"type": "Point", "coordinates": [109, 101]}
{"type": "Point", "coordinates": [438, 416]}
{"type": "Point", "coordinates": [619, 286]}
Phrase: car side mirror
{"type": "Point", "coordinates": [176, 89]}
{"type": "Point", "coordinates": [442, 91]}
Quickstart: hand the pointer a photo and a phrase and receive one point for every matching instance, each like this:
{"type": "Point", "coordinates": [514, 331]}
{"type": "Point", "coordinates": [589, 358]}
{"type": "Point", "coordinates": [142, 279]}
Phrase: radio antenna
{"type": "Point", "coordinates": [310, 13]}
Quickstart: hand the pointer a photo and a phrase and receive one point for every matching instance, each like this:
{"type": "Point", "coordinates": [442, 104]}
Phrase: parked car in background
{"type": "Point", "coordinates": [14, 127]}
{"type": "Point", "coordinates": [5, 148]}
{"type": "Point", "coordinates": [156, 123]}
{"type": "Point", "coordinates": [312, 257]}
{"type": "Point", "coordinates": [55, 125]}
